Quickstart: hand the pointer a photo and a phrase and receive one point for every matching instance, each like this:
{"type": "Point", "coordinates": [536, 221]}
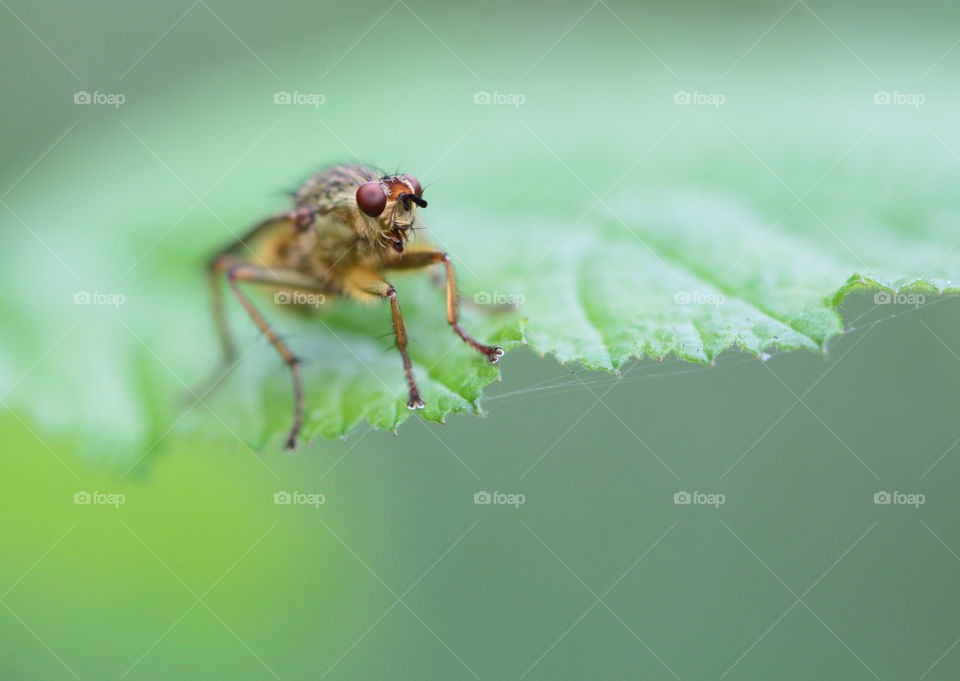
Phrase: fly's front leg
{"type": "Point", "coordinates": [249, 273]}
{"type": "Point", "coordinates": [416, 259]}
{"type": "Point", "coordinates": [364, 283]}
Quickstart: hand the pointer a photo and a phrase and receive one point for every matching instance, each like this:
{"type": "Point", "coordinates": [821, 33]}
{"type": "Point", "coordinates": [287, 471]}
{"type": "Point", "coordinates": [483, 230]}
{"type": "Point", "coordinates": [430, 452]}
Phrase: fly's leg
{"type": "Point", "coordinates": [297, 220]}
{"type": "Point", "coordinates": [239, 272]}
{"type": "Point", "coordinates": [228, 349]}
{"type": "Point", "coordinates": [400, 333]}
{"type": "Point", "coordinates": [219, 264]}
{"type": "Point", "coordinates": [364, 283]}
{"type": "Point", "coordinates": [227, 346]}
{"type": "Point", "coordinates": [292, 222]}
{"type": "Point", "coordinates": [417, 259]}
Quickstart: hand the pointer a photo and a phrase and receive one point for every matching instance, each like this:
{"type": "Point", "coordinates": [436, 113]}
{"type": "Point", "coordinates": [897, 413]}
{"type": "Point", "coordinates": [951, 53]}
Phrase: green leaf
{"type": "Point", "coordinates": [627, 227]}
{"type": "Point", "coordinates": [690, 275]}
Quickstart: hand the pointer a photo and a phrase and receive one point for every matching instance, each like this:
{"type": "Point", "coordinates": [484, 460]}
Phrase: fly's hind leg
{"type": "Point", "coordinates": [282, 224]}
{"type": "Point", "coordinates": [363, 283]}
{"type": "Point", "coordinates": [228, 349]}
{"type": "Point", "coordinates": [418, 259]}
{"type": "Point", "coordinates": [215, 268]}
{"type": "Point", "coordinates": [237, 272]}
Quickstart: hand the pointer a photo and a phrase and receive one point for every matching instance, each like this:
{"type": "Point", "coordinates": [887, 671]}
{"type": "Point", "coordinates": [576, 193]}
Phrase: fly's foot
{"type": "Point", "coordinates": [415, 402]}
{"type": "Point", "coordinates": [494, 354]}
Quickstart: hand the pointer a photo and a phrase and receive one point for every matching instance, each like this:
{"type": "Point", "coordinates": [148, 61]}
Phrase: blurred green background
{"type": "Point", "coordinates": [398, 574]}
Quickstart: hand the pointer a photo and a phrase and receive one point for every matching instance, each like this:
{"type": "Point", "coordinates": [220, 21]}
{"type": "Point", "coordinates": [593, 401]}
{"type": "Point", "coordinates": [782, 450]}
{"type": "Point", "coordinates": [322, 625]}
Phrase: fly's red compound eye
{"type": "Point", "coordinates": [415, 183]}
{"type": "Point", "coordinates": [371, 199]}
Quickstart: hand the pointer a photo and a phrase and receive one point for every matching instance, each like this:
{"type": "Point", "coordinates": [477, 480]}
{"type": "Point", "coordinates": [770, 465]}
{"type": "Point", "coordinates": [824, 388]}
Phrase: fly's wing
{"type": "Point", "coordinates": [272, 242]}
{"type": "Point", "coordinates": [282, 243]}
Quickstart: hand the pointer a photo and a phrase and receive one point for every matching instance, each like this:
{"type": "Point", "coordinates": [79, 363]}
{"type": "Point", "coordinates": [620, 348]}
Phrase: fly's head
{"type": "Point", "coordinates": [388, 208]}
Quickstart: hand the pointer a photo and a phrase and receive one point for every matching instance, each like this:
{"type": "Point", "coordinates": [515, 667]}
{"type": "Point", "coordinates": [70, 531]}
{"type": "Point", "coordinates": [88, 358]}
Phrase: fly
{"type": "Point", "coordinates": [347, 226]}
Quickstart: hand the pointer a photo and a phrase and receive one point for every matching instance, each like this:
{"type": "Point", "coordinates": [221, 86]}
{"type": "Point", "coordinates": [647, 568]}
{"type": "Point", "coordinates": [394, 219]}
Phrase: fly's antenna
{"type": "Point", "coordinates": [406, 198]}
